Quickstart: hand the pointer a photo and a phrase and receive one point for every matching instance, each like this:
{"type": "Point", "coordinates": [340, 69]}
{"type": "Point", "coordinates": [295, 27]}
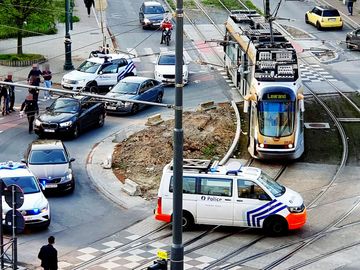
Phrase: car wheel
{"type": "Point", "coordinates": [101, 120]}
{"type": "Point", "coordinates": [159, 98]}
{"type": "Point", "coordinates": [75, 133]}
{"type": "Point", "coordinates": [275, 226]}
{"type": "Point", "coordinates": [318, 26]}
{"type": "Point", "coordinates": [72, 188]}
{"type": "Point", "coordinates": [135, 108]}
{"type": "Point", "coordinates": [92, 87]}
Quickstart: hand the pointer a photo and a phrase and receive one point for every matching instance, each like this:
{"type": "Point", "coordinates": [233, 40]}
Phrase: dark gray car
{"type": "Point", "coordinates": [353, 39]}
{"type": "Point", "coordinates": [151, 14]}
{"type": "Point", "coordinates": [49, 161]}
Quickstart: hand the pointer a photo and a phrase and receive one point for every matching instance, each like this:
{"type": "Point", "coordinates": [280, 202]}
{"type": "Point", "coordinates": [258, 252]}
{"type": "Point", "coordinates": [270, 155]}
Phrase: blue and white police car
{"type": "Point", "coordinates": [36, 208]}
{"type": "Point", "coordinates": [99, 73]}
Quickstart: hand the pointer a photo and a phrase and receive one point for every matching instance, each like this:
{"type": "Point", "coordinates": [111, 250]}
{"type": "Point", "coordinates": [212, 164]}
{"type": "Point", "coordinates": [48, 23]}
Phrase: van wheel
{"type": "Point", "coordinates": [187, 221]}
{"type": "Point", "coordinates": [92, 87]}
{"type": "Point", "coordinates": [275, 226]}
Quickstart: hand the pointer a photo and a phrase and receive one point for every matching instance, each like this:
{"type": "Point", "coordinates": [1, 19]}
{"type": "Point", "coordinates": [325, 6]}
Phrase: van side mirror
{"type": "Point", "coordinates": [23, 160]}
{"type": "Point", "coordinates": [72, 160]}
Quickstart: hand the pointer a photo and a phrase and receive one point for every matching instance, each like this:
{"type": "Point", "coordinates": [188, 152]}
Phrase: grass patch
{"type": "Point", "coordinates": [171, 3]}
{"type": "Point", "coordinates": [230, 4]}
{"type": "Point", "coordinates": [209, 151]}
{"type": "Point", "coordinates": [189, 4]}
{"type": "Point", "coordinates": [20, 57]}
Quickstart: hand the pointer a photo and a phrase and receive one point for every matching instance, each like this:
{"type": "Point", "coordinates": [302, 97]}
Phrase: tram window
{"type": "Point", "coordinates": [249, 190]}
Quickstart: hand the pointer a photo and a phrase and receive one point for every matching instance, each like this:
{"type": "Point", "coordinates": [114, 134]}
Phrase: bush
{"type": "Point", "coordinates": [20, 57]}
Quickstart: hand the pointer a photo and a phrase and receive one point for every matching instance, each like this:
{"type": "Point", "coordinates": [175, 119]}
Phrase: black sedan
{"type": "Point", "coordinates": [70, 116]}
{"type": "Point", "coordinates": [353, 39]}
{"type": "Point", "coordinates": [134, 88]}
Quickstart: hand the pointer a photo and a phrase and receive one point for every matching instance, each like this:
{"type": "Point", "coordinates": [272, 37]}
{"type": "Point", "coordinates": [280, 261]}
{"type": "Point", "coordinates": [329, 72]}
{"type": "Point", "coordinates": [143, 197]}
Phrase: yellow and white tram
{"type": "Point", "coordinates": [263, 66]}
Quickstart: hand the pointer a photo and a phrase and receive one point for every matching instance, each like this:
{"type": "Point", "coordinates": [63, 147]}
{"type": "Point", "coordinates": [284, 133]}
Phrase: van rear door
{"type": "Point", "coordinates": [215, 201]}
{"type": "Point", "coordinates": [252, 204]}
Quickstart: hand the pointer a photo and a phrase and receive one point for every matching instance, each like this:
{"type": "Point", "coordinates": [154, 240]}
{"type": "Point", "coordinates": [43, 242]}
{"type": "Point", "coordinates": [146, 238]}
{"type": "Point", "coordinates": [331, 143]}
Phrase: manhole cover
{"type": "Point", "coordinates": [317, 125]}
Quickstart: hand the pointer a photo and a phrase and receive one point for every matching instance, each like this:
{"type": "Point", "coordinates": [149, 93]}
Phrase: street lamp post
{"type": "Point", "coordinates": [177, 248]}
{"type": "Point", "coordinates": [68, 64]}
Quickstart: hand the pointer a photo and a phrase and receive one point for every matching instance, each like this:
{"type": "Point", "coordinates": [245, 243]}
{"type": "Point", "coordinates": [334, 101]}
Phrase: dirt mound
{"type": "Point", "coordinates": [143, 155]}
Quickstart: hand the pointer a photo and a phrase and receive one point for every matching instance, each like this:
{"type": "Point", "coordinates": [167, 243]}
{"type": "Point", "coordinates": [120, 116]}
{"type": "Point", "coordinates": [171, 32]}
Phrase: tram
{"type": "Point", "coordinates": [263, 66]}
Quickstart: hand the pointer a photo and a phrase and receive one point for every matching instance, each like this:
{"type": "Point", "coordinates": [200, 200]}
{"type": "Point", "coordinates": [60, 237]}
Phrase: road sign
{"type": "Point", "coordinates": [100, 5]}
{"type": "Point", "coordinates": [18, 196]}
{"type": "Point", "coordinates": [19, 220]}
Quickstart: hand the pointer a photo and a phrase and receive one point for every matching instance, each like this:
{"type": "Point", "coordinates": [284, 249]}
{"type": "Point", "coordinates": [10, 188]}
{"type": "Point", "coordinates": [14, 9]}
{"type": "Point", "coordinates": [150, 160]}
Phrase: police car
{"type": "Point", "coordinates": [99, 72]}
{"type": "Point", "coordinates": [231, 195]}
{"type": "Point", "coordinates": [36, 208]}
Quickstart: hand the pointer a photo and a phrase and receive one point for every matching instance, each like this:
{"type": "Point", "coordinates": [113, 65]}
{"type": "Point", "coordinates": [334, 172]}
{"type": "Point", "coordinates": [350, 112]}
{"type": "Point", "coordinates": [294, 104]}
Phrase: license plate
{"type": "Point", "coordinates": [332, 20]}
{"type": "Point", "coordinates": [111, 108]}
{"type": "Point", "coordinates": [156, 23]}
{"type": "Point", "coordinates": [51, 186]}
{"type": "Point", "coordinates": [49, 130]}
{"type": "Point", "coordinates": [67, 85]}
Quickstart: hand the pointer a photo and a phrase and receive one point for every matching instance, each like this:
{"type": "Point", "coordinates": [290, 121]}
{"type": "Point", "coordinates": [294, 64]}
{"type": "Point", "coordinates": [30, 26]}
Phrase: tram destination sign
{"type": "Point", "coordinates": [277, 96]}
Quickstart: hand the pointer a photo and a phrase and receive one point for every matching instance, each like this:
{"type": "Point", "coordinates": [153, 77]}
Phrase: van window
{"type": "Point", "coordinates": [216, 187]}
{"type": "Point", "coordinates": [249, 190]}
{"type": "Point", "coordinates": [275, 188]}
{"type": "Point", "coordinates": [189, 184]}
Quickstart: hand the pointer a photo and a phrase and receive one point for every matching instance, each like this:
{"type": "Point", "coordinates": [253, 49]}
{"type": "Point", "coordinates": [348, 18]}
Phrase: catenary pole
{"type": "Point", "coordinates": [177, 248]}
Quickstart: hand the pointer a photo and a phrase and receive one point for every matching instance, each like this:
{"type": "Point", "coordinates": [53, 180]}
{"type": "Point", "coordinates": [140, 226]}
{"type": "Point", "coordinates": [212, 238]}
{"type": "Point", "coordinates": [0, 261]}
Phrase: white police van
{"type": "Point", "coordinates": [99, 72]}
{"type": "Point", "coordinates": [36, 208]}
{"type": "Point", "coordinates": [231, 195]}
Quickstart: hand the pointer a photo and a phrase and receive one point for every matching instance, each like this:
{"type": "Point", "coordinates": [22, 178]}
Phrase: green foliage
{"type": "Point", "coordinates": [209, 151]}
{"type": "Point", "coordinates": [14, 57]}
{"type": "Point", "coordinates": [230, 4]}
{"type": "Point", "coordinates": [188, 4]}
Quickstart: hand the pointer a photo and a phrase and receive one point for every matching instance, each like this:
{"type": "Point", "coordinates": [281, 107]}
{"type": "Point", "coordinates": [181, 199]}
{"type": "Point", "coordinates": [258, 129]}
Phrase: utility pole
{"type": "Point", "coordinates": [68, 64]}
{"type": "Point", "coordinates": [177, 248]}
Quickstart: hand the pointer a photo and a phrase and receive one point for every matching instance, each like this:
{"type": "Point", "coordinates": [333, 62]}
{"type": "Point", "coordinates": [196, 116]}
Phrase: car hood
{"type": "Point", "coordinates": [291, 198]}
{"type": "Point", "coordinates": [49, 171]}
{"type": "Point", "coordinates": [31, 201]}
{"type": "Point", "coordinates": [154, 17]}
{"type": "Point", "coordinates": [123, 96]}
{"type": "Point", "coordinates": [78, 75]}
{"type": "Point", "coordinates": [168, 69]}
{"type": "Point", "coordinates": [55, 117]}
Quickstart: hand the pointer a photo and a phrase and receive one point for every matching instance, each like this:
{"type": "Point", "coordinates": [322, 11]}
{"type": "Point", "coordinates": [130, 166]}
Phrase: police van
{"type": "Point", "coordinates": [99, 72]}
{"type": "Point", "coordinates": [231, 195]}
{"type": "Point", "coordinates": [36, 208]}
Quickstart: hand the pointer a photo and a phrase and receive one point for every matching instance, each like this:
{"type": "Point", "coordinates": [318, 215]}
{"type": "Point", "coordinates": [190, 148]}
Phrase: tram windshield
{"type": "Point", "coordinates": [276, 118]}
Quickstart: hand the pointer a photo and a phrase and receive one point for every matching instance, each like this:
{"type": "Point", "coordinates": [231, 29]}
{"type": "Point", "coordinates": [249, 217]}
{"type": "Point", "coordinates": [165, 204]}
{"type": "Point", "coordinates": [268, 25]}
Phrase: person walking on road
{"type": "Point", "coordinates": [4, 99]}
{"type": "Point", "coordinates": [46, 73]}
{"type": "Point", "coordinates": [29, 108]}
{"type": "Point", "coordinates": [11, 93]}
{"type": "Point", "coordinates": [34, 75]}
{"type": "Point", "coordinates": [48, 255]}
{"type": "Point", "coordinates": [89, 4]}
{"type": "Point", "coordinates": [350, 6]}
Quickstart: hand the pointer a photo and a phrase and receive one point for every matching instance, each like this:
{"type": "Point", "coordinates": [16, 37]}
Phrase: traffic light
{"type": "Point", "coordinates": [158, 265]}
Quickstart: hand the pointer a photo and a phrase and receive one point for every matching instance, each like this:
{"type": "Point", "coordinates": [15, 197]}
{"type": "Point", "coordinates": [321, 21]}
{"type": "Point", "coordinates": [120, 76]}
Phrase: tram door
{"type": "Point", "coordinates": [252, 126]}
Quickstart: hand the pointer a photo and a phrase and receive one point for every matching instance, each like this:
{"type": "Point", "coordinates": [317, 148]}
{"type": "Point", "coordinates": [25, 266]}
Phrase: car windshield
{"type": "Point", "coordinates": [275, 188]}
{"type": "Point", "coordinates": [88, 67]}
{"type": "Point", "coordinates": [128, 88]}
{"type": "Point", "coordinates": [28, 184]}
{"type": "Point", "coordinates": [167, 60]}
{"type": "Point", "coordinates": [331, 13]}
{"type": "Point", "coordinates": [65, 106]}
{"type": "Point", "coordinates": [52, 156]}
{"type": "Point", "coordinates": [276, 118]}
{"type": "Point", "coordinates": [154, 10]}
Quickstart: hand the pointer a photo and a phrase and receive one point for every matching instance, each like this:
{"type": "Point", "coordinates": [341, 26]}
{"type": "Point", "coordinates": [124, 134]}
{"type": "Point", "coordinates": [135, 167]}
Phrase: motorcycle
{"type": "Point", "coordinates": [166, 36]}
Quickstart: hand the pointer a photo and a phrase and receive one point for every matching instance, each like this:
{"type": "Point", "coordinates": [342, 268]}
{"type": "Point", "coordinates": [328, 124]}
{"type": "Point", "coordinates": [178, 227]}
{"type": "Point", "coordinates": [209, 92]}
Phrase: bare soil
{"type": "Point", "coordinates": [142, 156]}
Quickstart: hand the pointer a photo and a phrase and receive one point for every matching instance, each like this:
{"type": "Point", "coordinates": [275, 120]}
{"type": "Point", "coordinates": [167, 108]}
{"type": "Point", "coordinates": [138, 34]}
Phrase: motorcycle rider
{"type": "Point", "coordinates": [166, 27]}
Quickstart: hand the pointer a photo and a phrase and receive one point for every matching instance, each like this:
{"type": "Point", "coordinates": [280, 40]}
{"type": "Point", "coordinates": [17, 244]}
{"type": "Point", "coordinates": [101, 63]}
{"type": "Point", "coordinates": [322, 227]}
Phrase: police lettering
{"type": "Point", "coordinates": [213, 199]}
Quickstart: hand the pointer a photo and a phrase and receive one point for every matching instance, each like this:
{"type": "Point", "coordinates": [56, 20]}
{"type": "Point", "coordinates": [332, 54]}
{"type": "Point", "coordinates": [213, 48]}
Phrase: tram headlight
{"type": "Point", "coordinates": [290, 145]}
{"type": "Point", "coordinates": [261, 145]}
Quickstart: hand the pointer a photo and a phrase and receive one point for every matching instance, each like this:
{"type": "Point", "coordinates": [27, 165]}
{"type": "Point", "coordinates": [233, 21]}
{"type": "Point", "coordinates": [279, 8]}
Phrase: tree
{"type": "Point", "coordinates": [18, 12]}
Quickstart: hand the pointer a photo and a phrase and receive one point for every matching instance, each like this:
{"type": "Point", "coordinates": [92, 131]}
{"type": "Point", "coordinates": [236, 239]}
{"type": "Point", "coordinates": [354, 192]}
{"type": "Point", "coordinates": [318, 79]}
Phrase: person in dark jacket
{"type": "Point", "coordinates": [34, 75]}
{"type": "Point", "coordinates": [48, 255]}
{"type": "Point", "coordinates": [350, 6]}
{"type": "Point", "coordinates": [4, 100]}
{"type": "Point", "coordinates": [89, 4]}
{"type": "Point", "coordinates": [11, 93]}
{"type": "Point", "coordinates": [29, 108]}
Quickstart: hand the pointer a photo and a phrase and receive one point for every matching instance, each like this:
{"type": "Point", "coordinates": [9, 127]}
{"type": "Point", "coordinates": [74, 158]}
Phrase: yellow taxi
{"type": "Point", "coordinates": [324, 17]}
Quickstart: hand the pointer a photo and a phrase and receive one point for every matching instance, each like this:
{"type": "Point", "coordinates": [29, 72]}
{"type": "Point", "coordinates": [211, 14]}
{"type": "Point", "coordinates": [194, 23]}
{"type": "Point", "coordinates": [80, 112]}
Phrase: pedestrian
{"type": "Point", "coordinates": [350, 6]}
{"type": "Point", "coordinates": [46, 73]}
{"type": "Point", "coordinates": [48, 255]}
{"type": "Point", "coordinates": [29, 108]}
{"type": "Point", "coordinates": [34, 75]}
{"type": "Point", "coordinates": [11, 93]}
{"type": "Point", "coordinates": [4, 99]}
{"type": "Point", "coordinates": [89, 4]}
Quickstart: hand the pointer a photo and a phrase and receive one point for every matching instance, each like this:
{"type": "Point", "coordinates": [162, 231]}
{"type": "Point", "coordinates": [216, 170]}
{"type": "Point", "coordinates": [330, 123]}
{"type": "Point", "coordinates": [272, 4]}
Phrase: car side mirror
{"type": "Point", "coordinates": [23, 160]}
{"type": "Point", "coordinates": [72, 160]}
{"type": "Point", "coordinates": [264, 197]}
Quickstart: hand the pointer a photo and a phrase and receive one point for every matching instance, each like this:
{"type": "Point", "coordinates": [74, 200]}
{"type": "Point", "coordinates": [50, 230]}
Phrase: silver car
{"type": "Point", "coordinates": [49, 161]}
